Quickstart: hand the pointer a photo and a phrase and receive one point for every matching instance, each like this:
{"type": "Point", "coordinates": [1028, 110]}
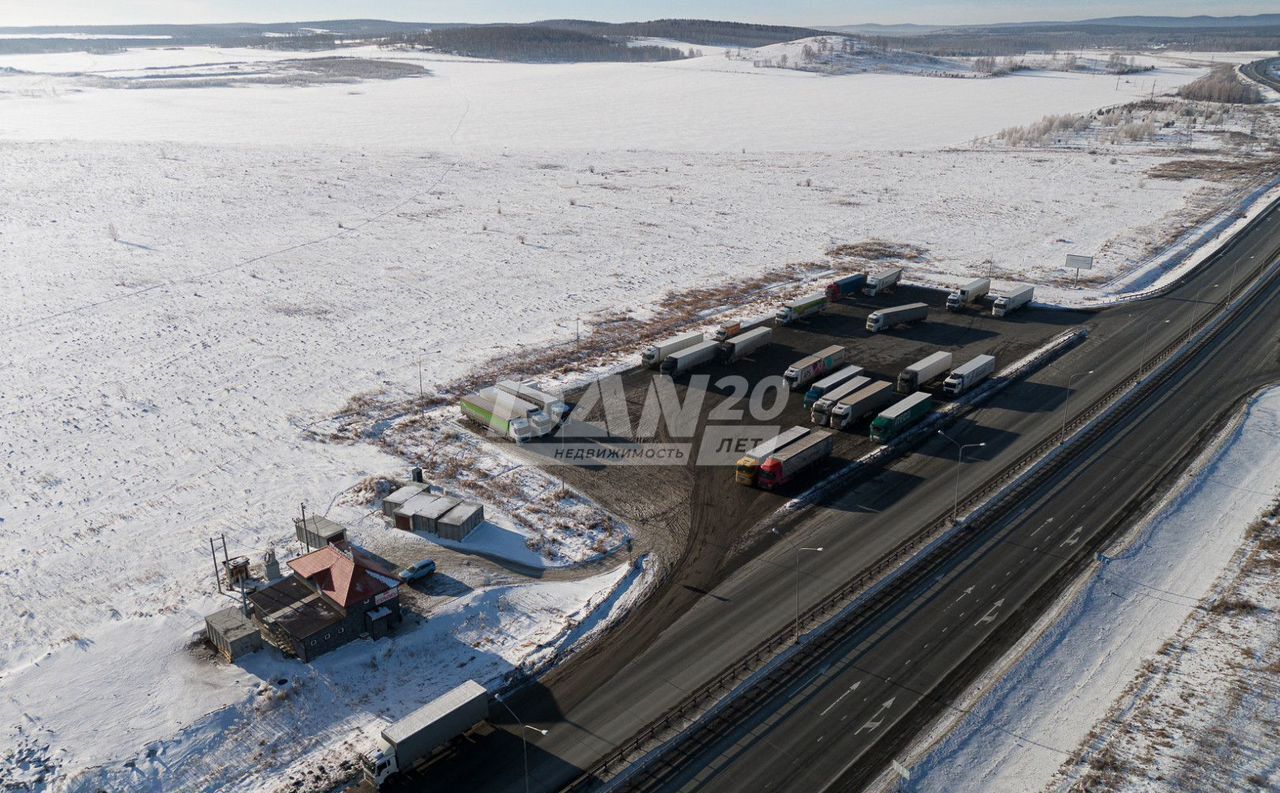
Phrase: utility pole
{"type": "Point", "coordinates": [955, 508]}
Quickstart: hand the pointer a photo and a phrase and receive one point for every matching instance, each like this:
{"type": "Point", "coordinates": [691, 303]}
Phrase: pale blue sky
{"type": "Point", "coordinates": [797, 12]}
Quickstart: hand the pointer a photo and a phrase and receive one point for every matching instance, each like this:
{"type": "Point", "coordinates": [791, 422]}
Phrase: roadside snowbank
{"type": "Point", "coordinates": [1036, 714]}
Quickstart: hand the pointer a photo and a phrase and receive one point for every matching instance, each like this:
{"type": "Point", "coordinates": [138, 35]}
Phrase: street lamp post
{"type": "Point", "coordinates": [524, 739]}
{"type": "Point", "coordinates": [1146, 345]}
{"type": "Point", "coordinates": [960, 447]}
{"type": "Point", "coordinates": [798, 550]}
{"type": "Point", "coordinates": [1063, 433]}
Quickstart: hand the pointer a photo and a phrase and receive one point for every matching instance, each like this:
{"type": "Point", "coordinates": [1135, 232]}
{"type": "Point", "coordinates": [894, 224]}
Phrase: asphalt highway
{"type": "Point", "coordinates": [605, 695]}
{"type": "Point", "coordinates": [842, 724]}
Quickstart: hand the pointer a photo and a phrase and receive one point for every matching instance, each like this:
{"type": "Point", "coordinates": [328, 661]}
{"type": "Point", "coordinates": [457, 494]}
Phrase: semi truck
{"type": "Point", "coordinates": [415, 737]}
{"type": "Point", "coordinates": [502, 412]}
{"type": "Point", "coordinates": [968, 294]}
{"type": "Point", "coordinates": [887, 318]}
{"type": "Point", "coordinates": [731, 329]}
{"type": "Point", "coordinates": [833, 380]}
{"type": "Point", "coordinates": [821, 411]}
{"type": "Point", "coordinates": [677, 363]}
{"type": "Point", "coordinates": [923, 372]}
{"type": "Point", "coordinates": [553, 406]}
{"type": "Point", "coordinates": [655, 355]}
{"type": "Point", "coordinates": [786, 464]}
{"type": "Point", "coordinates": [1007, 304]}
{"type": "Point", "coordinates": [738, 347]}
{"type": "Point", "coordinates": [970, 374]}
{"type": "Point", "coordinates": [901, 416]}
{"type": "Point", "coordinates": [860, 403]}
{"type": "Point", "coordinates": [881, 282]}
{"type": "Point", "coordinates": [811, 367]}
{"type": "Point", "coordinates": [749, 464]}
{"type": "Point", "coordinates": [846, 286]}
{"type": "Point", "coordinates": [805, 307]}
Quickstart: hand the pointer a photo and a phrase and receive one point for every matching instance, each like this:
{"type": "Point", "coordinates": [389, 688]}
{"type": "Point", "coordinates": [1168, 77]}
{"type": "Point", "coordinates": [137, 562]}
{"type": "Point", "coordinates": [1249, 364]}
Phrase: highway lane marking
{"type": "Point", "coordinates": [1075, 536]}
{"type": "Point", "coordinates": [968, 591]}
{"type": "Point", "coordinates": [852, 688]}
{"type": "Point", "coordinates": [990, 616]}
{"type": "Point", "coordinates": [1041, 526]}
{"type": "Point", "coordinates": [872, 724]}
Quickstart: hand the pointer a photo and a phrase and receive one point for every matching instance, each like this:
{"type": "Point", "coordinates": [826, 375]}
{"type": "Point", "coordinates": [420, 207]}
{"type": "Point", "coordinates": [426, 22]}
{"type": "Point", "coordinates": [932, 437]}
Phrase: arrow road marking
{"type": "Point", "coordinates": [990, 616]}
{"type": "Point", "coordinates": [1075, 536]}
{"type": "Point", "coordinates": [968, 591]}
{"type": "Point", "coordinates": [872, 723]}
{"type": "Point", "coordinates": [852, 688]}
{"type": "Point", "coordinates": [1041, 526]}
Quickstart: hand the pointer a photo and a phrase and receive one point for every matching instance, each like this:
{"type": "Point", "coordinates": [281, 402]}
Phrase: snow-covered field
{"type": "Point", "coordinates": [196, 279]}
{"type": "Point", "coordinates": [1069, 677]}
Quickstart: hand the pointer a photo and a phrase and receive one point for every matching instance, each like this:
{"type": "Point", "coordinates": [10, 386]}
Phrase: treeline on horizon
{"type": "Point", "coordinates": [997, 41]}
{"type": "Point", "coordinates": [531, 43]}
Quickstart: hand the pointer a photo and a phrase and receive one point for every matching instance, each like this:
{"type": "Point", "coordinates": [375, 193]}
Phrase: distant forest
{"type": "Point", "coordinates": [533, 43]}
{"type": "Point", "coordinates": [706, 32]}
{"type": "Point", "coordinates": [1018, 40]}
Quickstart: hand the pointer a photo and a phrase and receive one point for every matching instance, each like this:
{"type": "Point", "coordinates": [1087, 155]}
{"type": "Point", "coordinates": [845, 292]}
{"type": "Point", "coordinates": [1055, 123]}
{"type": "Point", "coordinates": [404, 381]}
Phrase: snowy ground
{"type": "Point", "coordinates": [1118, 626]}
{"type": "Point", "coordinates": [197, 279]}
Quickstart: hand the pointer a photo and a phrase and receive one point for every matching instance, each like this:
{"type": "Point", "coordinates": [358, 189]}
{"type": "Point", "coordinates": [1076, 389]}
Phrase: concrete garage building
{"type": "Point", "coordinates": [460, 521]}
{"type": "Point", "coordinates": [318, 531]}
{"type": "Point", "coordinates": [233, 633]}
{"type": "Point", "coordinates": [425, 510]}
{"type": "Point", "coordinates": [397, 499]}
{"type": "Point", "coordinates": [334, 595]}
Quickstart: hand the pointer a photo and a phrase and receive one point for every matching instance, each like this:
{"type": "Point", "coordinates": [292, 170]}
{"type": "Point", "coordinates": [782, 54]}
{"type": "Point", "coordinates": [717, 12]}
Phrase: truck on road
{"type": "Point", "coordinates": [677, 363]}
{"type": "Point", "coordinates": [414, 738]}
{"type": "Point", "coordinates": [730, 329]}
{"type": "Point", "coordinates": [783, 466]}
{"type": "Point", "coordinates": [805, 307]}
{"type": "Point", "coordinates": [966, 376]}
{"type": "Point", "coordinates": [968, 294]}
{"type": "Point", "coordinates": [884, 281]}
{"type": "Point", "coordinates": [811, 367]}
{"type": "Point", "coordinates": [887, 318]}
{"type": "Point", "coordinates": [867, 400]}
{"type": "Point", "coordinates": [553, 406]}
{"type": "Point", "coordinates": [655, 355]}
{"type": "Point", "coordinates": [846, 286]}
{"type": "Point", "coordinates": [1007, 304]}
{"type": "Point", "coordinates": [901, 416]}
{"type": "Point", "coordinates": [820, 413]}
{"type": "Point", "coordinates": [738, 347]}
{"type": "Point", "coordinates": [833, 380]}
{"type": "Point", "coordinates": [923, 372]}
{"type": "Point", "coordinates": [504, 413]}
{"type": "Point", "coordinates": [749, 464]}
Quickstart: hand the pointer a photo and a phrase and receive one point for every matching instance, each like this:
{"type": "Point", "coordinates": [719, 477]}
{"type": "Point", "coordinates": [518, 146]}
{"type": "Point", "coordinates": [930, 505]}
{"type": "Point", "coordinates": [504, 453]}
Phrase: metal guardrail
{"type": "Point", "coordinates": [1048, 466]}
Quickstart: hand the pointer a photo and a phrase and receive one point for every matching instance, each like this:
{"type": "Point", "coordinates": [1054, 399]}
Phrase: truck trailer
{"type": "Point", "coordinates": [553, 406]}
{"type": "Point", "coordinates": [731, 329]}
{"type": "Point", "coordinates": [502, 412]}
{"type": "Point", "coordinates": [1007, 304]}
{"type": "Point", "coordinates": [416, 736]}
{"type": "Point", "coordinates": [831, 381]}
{"type": "Point", "coordinates": [738, 347]}
{"type": "Point", "coordinates": [900, 417]}
{"type": "Point", "coordinates": [849, 285]}
{"type": "Point", "coordinates": [811, 367]}
{"type": "Point", "coordinates": [968, 375]}
{"type": "Point", "coordinates": [821, 410]}
{"type": "Point", "coordinates": [923, 372]}
{"type": "Point", "coordinates": [860, 403]}
{"type": "Point", "coordinates": [785, 465]}
{"type": "Point", "coordinates": [678, 363]}
{"type": "Point", "coordinates": [968, 294]}
{"type": "Point", "coordinates": [655, 355]}
{"type": "Point", "coordinates": [881, 282]}
{"type": "Point", "coordinates": [805, 307]}
{"type": "Point", "coordinates": [887, 318]}
{"type": "Point", "coordinates": [749, 464]}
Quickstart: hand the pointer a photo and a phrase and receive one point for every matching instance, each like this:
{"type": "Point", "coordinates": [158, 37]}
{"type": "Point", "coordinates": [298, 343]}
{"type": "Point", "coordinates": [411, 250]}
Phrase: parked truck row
{"type": "Point", "coordinates": [519, 411]}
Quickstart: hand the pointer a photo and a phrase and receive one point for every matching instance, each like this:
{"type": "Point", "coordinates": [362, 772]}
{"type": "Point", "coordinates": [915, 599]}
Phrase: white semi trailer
{"type": "Point", "coordinates": [655, 355]}
{"type": "Point", "coordinates": [887, 318]}
{"type": "Point", "coordinates": [821, 411]}
{"type": "Point", "coordinates": [968, 294]}
{"type": "Point", "coordinates": [738, 347]}
{"type": "Point", "coordinates": [1007, 304]}
{"type": "Point", "coordinates": [923, 372]}
{"type": "Point", "coordinates": [415, 737]}
{"type": "Point", "coordinates": [678, 363]}
{"type": "Point", "coordinates": [968, 375]}
{"type": "Point", "coordinates": [881, 282]}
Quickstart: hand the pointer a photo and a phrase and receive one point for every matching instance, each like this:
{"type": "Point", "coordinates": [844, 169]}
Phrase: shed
{"type": "Point", "coordinates": [460, 521]}
{"type": "Point", "coordinates": [424, 513]}
{"type": "Point", "coordinates": [396, 499]}
{"type": "Point", "coordinates": [232, 633]}
{"type": "Point", "coordinates": [317, 531]}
